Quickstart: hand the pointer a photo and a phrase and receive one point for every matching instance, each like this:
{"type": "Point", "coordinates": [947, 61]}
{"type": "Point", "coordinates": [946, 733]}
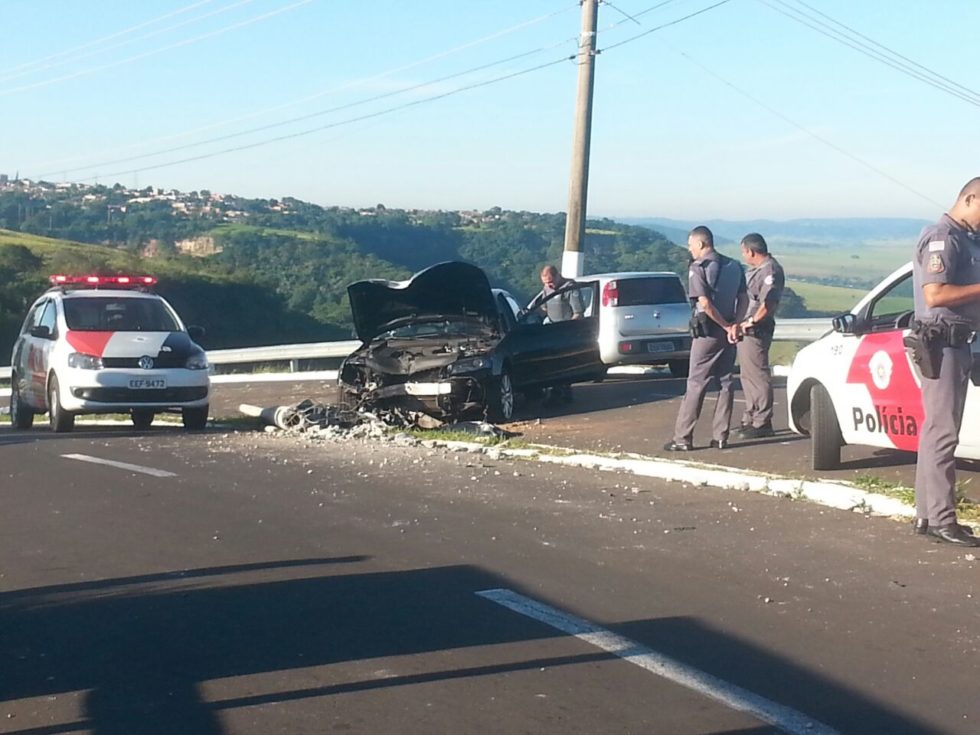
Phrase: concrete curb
{"type": "Point", "coordinates": [832, 494]}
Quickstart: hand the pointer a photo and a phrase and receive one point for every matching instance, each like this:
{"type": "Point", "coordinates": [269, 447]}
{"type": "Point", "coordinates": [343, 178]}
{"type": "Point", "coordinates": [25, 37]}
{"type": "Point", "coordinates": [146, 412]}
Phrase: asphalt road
{"type": "Point", "coordinates": [246, 583]}
{"type": "Point", "coordinates": [636, 414]}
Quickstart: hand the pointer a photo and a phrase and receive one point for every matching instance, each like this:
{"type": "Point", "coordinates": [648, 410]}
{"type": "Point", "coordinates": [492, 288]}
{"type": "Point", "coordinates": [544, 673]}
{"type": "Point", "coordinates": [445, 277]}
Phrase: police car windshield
{"type": "Point", "coordinates": [116, 314]}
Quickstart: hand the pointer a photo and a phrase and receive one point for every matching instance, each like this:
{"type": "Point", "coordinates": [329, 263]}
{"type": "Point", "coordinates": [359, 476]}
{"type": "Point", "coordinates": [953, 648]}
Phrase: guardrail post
{"type": "Point", "coordinates": [294, 366]}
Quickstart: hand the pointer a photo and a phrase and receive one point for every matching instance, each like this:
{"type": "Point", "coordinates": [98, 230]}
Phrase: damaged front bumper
{"type": "Point", "coordinates": [451, 397]}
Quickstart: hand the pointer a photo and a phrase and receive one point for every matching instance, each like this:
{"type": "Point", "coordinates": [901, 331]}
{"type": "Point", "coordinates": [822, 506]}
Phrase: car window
{"type": "Point", "coordinates": [894, 307]}
{"type": "Point", "coordinates": [652, 291]}
{"type": "Point", "coordinates": [33, 317]}
{"type": "Point", "coordinates": [562, 305]}
{"type": "Point", "coordinates": [115, 314]}
{"type": "Point", "coordinates": [48, 317]}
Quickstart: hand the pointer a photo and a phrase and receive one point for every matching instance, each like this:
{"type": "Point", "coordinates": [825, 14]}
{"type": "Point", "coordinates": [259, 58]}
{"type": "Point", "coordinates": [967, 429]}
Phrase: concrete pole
{"type": "Point", "coordinates": [578, 190]}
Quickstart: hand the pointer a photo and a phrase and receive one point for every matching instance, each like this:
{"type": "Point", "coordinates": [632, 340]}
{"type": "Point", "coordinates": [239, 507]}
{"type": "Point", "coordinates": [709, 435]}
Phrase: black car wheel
{"type": "Point", "coordinates": [500, 398]}
{"type": "Point", "coordinates": [142, 418]}
{"type": "Point", "coordinates": [21, 415]}
{"type": "Point", "coordinates": [194, 418]}
{"type": "Point", "coordinates": [61, 421]}
{"type": "Point", "coordinates": [825, 433]}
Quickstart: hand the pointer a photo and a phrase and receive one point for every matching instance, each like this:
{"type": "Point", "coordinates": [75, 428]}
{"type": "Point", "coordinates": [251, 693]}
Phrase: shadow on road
{"type": "Point", "coordinates": [141, 647]}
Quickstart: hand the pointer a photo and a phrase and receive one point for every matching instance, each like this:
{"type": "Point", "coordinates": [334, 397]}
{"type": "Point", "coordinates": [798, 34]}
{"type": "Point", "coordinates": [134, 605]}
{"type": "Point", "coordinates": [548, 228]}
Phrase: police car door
{"type": "Point", "coordinates": [880, 402]}
{"type": "Point", "coordinates": [32, 352]}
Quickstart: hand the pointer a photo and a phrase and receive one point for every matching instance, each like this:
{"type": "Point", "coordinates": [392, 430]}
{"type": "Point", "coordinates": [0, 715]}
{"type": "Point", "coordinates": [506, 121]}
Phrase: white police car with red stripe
{"type": "Point", "coordinates": [858, 385]}
{"type": "Point", "coordinates": [106, 344]}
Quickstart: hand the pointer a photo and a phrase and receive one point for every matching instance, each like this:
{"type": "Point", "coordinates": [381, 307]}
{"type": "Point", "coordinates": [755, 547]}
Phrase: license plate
{"type": "Point", "coordinates": [147, 383]}
{"type": "Point", "coordinates": [660, 346]}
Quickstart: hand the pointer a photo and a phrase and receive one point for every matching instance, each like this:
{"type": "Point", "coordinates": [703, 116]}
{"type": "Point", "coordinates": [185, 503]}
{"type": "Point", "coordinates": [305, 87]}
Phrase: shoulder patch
{"type": "Point", "coordinates": [936, 264]}
{"type": "Point", "coordinates": [767, 280]}
{"type": "Point", "coordinates": [937, 246]}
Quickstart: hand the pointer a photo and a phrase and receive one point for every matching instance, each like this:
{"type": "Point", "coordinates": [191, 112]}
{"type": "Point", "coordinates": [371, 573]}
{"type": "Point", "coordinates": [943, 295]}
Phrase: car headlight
{"type": "Point", "coordinates": [84, 362]}
{"type": "Point", "coordinates": [470, 365]}
{"type": "Point", "coordinates": [197, 361]}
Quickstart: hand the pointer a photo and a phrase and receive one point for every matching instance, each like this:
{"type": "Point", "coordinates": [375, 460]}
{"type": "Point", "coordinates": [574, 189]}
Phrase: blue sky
{"type": "Point", "coordinates": [716, 116]}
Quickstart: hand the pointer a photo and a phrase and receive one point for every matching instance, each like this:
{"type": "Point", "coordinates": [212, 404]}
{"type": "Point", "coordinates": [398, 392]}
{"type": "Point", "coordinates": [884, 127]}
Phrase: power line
{"type": "Point", "coordinates": [58, 164]}
{"type": "Point", "coordinates": [785, 118]}
{"type": "Point", "coordinates": [138, 57]}
{"type": "Point", "coordinates": [663, 25]}
{"type": "Point", "coordinates": [6, 74]}
{"type": "Point", "coordinates": [349, 121]}
{"type": "Point", "coordinates": [300, 118]}
{"type": "Point", "coordinates": [887, 56]}
{"type": "Point", "coordinates": [890, 51]}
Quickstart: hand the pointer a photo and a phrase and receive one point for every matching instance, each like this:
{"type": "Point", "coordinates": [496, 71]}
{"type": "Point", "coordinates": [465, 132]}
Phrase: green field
{"type": "Point", "coordinates": [826, 299]}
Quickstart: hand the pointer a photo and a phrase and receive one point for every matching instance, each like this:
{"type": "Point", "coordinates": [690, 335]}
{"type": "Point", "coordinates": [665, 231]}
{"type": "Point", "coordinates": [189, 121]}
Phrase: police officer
{"type": "Point", "coordinates": [566, 305]}
{"type": "Point", "coordinates": [946, 278]}
{"type": "Point", "coordinates": [716, 287]}
{"type": "Point", "coordinates": [764, 285]}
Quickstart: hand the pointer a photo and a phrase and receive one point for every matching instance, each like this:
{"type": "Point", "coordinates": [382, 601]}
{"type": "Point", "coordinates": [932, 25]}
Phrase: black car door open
{"type": "Point", "coordinates": [567, 350]}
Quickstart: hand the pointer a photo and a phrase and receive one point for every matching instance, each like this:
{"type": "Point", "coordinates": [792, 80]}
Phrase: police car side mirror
{"type": "Point", "coordinates": [42, 332]}
{"type": "Point", "coordinates": [195, 332]}
{"type": "Point", "coordinates": [845, 323]}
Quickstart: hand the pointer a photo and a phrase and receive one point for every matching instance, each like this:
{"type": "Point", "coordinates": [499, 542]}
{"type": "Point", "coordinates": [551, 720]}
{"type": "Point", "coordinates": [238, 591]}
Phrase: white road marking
{"type": "Point", "coordinates": [785, 718]}
{"type": "Point", "coordinates": [120, 465]}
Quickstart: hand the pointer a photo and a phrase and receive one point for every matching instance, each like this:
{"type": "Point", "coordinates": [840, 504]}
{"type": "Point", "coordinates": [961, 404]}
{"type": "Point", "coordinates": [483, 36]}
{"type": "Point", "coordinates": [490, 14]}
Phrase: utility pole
{"type": "Point", "coordinates": [578, 190]}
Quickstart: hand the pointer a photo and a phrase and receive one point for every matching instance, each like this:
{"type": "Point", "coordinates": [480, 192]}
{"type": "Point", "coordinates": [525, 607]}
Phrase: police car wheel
{"type": "Point", "coordinates": [21, 415]}
{"type": "Point", "coordinates": [142, 419]}
{"type": "Point", "coordinates": [61, 421]}
{"type": "Point", "coordinates": [194, 418]}
{"type": "Point", "coordinates": [825, 436]}
{"type": "Point", "coordinates": [500, 395]}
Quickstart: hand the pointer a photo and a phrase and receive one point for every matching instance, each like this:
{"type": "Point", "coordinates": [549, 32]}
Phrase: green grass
{"type": "Point", "coordinates": [818, 297]}
{"type": "Point", "coordinates": [231, 229]}
{"type": "Point", "coordinates": [967, 509]}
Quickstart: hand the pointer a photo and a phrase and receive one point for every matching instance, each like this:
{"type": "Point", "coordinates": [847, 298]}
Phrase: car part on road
{"type": "Point", "coordinates": [194, 418]}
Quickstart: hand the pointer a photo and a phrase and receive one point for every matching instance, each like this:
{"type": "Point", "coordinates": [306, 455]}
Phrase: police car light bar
{"type": "Point", "coordinates": [103, 280]}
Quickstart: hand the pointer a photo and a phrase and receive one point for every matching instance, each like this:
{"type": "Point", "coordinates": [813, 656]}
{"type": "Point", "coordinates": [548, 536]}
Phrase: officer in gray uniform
{"type": "Point", "coordinates": [716, 287]}
{"type": "Point", "coordinates": [566, 305]}
{"type": "Point", "coordinates": [946, 279]}
{"type": "Point", "coordinates": [764, 284]}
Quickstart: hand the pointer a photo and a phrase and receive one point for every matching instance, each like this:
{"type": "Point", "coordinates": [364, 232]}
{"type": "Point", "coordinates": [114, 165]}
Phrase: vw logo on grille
{"type": "Point", "coordinates": [146, 362]}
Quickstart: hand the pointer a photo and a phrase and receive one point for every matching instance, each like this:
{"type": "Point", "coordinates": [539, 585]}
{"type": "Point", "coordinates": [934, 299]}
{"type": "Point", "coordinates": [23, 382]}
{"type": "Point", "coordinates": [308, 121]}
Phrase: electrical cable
{"type": "Point", "coordinates": [368, 116]}
{"type": "Point", "coordinates": [4, 74]}
{"type": "Point", "coordinates": [138, 57]}
{"type": "Point", "coordinates": [927, 76]}
{"type": "Point", "coordinates": [785, 118]}
{"type": "Point", "coordinates": [57, 164]}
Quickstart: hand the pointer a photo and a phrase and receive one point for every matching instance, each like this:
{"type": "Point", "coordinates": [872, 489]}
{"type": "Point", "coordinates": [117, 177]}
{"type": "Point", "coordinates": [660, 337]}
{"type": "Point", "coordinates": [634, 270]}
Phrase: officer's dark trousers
{"type": "Point", "coordinates": [711, 356]}
{"type": "Point", "coordinates": [753, 360]}
{"type": "Point", "coordinates": [943, 400]}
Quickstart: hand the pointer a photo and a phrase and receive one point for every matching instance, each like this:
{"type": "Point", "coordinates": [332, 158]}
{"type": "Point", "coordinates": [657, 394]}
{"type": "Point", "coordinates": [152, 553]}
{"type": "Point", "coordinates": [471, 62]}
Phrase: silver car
{"type": "Point", "coordinates": [644, 319]}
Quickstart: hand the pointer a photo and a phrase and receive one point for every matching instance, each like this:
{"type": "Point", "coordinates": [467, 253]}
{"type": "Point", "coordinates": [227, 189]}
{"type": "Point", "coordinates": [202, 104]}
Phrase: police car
{"type": "Point", "coordinates": [857, 385]}
{"type": "Point", "coordinates": [106, 344]}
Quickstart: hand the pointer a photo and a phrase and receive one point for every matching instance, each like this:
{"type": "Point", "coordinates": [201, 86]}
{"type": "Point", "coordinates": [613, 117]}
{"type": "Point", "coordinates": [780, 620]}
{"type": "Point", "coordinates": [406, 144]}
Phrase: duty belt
{"type": "Point", "coordinates": [955, 334]}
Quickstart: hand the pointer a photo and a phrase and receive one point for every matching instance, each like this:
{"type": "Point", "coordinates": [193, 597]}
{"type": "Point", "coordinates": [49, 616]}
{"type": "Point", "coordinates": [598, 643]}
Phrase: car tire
{"type": "Point", "coordinates": [679, 368]}
{"type": "Point", "coordinates": [21, 415]}
{"type": "Point", "coordinates": [61, 421]}
{"type": "Point", "coordinates": [195, 418]}
{"type": "Point", "coordinates": [500, 398]}
{"type": "Point", "coordinates": [825, 436]}
{"type": "Point", "coordinates": [142, 419]}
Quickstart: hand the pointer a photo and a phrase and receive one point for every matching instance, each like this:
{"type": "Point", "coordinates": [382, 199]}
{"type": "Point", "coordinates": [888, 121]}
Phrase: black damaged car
{"type": "Point", "coordinates": [445, 343]}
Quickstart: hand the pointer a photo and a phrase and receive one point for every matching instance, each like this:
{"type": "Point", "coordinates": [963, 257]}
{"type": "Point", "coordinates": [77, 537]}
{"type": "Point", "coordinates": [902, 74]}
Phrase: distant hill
{"type": "Point", "coordinates": [845, 231]}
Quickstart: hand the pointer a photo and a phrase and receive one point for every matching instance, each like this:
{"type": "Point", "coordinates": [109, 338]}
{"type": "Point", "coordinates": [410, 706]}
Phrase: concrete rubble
{"type": "Point", "coordinates": [340, 422]}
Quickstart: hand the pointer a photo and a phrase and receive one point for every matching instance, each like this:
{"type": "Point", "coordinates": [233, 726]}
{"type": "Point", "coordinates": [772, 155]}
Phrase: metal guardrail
{"type": "Point", "coordinates": [787, 330]}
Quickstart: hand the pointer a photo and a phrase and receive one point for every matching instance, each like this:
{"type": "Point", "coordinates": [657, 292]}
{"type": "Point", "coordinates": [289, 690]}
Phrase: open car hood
{"type": "Point", "coordinates": [445, 289]}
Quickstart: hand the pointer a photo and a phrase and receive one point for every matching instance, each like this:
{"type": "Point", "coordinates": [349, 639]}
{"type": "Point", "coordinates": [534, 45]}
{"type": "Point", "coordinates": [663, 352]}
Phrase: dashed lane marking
{"type": "Point", "coordinates": [120, 465]}
{"type": "Point", "coordinates": [742, 700]}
